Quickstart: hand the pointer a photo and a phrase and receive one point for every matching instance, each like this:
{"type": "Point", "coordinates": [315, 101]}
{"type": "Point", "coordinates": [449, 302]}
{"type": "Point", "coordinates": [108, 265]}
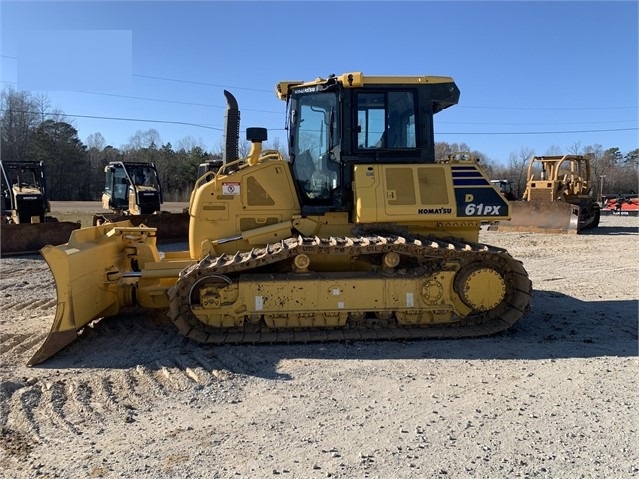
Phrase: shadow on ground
{"type": "Point", "coordinates": [612, 230]}
{"type": "Point", "coordinates": [558, 326]}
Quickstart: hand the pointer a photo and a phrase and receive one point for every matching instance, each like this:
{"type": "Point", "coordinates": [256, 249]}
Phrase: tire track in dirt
{"type": "Point", "coordinates": [174, 376]}
{"type": "Point", "coordinates": [44, 304]}
{"type": "Point", "coordinates": [216, 368]}
{"type": "Point", "coordinates": [27, 403]}
{"type": "Point", "coordinates": [82, 392]}
{"type": "Point", "coordinates": [154, 385]}
{"type": "Point", "coordinates": [232, 361]}
{"type": "Point", "coordinates": [23, 342]}
{"type": "Point", "coordinates": [56, 404]}
{"type": "Point", "coordinates": [23, 423]}
{"type": "Point", "coordinates": [194, 370]}
{"type": "Point", "coordinates": [42, 289]}
{"type": "Point", "coordinates": [42, 409]}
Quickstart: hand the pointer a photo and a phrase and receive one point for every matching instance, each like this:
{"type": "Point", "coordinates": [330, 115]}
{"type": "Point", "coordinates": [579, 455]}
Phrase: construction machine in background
{"type": "Point", "coordinates": [27, 225]}
{"type": "Point", "coordinates": [209, 168]}
{"type": "Point", "coordinates": [133, 192]}
{"type": "Point", "coordinates": [361, 234]}
{"type": "Point", "coordinates": [558, 198]}
{"type": "Point", "coordinates": [505, 187]}
{"type": "Point", "coordinates": [621, 205]}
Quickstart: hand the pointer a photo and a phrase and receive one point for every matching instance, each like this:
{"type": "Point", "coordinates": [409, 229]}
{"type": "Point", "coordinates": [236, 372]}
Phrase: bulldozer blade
{"type": "Point", "coordinates": [31, 237]}
{"type": "Point", "coordinates": [171, 227]}
{"type": "Point", "coordinates": [540, 217]}
{"type": "Point", "coordinates": [85, 292]}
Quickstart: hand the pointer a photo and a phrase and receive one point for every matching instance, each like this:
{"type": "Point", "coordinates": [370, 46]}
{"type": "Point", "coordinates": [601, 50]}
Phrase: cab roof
{"type": "Point", "coordinates": [357, 80]}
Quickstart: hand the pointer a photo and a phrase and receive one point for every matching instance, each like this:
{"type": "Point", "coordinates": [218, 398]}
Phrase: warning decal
{"type": "Point", "coordinates": [230, 188]}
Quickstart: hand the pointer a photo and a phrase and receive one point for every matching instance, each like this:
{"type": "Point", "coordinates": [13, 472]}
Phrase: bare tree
{"type": "Point", "coordinates": [554, 150]}
{"type": "Point", "coordinates": [45, 111]}
{"type": "Point", "coordinates": [518, 169]}
{"type": "Point", "coordinates": [275, 145]}
{"type": "Point", "coordinates": [95, 146]}
{"type": "Point", "coordinates": [96, 141]}
{"type": "Point", "coordinates": [575, 148]}
{"type": "Point", "coordinates": [19, 119]}
{"type": "Point", "coordinates": [188, 143]}
{"type": "Point", "coordinates": [600, 165]}
{"type": "Point", "coordinates": [41, 104]}
{"type": "Point", "coordinates": [144, 139]}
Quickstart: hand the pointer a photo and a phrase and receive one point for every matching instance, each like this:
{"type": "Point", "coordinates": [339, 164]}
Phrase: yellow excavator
{"type": "Point", "coordinates": [558, 198]}
{"type": "Point", "coordinates": [359, 234]}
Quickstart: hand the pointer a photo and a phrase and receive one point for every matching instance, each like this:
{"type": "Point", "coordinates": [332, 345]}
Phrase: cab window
{"type": "Point", "coordinates": [386, 120]}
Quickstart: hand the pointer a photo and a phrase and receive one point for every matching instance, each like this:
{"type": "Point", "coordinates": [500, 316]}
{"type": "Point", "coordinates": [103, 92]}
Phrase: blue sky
{"type": "Point", "coordinates": [540, 76]}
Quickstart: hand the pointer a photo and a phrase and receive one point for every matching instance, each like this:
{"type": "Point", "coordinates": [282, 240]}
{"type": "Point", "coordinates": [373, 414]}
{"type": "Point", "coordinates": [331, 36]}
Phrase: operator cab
{"type": "Point", "coordinates": [338, 122]}
{"type": "Point", "coordinates": [24, 193]}
{"type": "Point", "coordinates": [123, 179]}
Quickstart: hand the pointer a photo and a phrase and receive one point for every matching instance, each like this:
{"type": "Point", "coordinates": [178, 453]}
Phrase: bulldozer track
{"type": "Point", "coordinates": [427, 252]}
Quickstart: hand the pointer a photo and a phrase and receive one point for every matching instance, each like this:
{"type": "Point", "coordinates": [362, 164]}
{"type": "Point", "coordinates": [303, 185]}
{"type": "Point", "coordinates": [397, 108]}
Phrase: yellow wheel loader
{"type": "Point", "coordinates": [558, 197]}
{"type": "Point", "coordinates": [26, 223]}
{"type": "Point", "coordinates": [360, 234]}
{"type": "Point", "coordinates": [133, 192]}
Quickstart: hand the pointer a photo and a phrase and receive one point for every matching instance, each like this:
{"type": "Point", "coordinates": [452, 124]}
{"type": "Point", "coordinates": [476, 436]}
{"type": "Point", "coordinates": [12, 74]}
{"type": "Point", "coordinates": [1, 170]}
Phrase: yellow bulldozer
{"type": "Point", "coordinates": [133, 192]}
{"type": "Point", "coordinates": [27, 225]}
{"type": "Point", "coordinates": [359, 234]}
{"type": "Point", "coordinates": [558, 198]}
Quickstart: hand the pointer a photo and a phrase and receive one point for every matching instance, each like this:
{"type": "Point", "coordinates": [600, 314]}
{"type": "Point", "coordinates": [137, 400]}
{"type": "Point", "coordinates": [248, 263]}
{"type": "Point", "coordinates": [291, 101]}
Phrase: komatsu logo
{"type": "Point", "coordinates": [308, 89]}
{"type": "Point", "coordinates": [434, 211]}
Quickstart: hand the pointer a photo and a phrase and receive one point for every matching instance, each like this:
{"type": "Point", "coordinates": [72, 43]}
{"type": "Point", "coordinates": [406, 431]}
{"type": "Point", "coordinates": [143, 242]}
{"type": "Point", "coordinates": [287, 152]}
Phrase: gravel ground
{"type": "Point", "coordinates": [555, 396]}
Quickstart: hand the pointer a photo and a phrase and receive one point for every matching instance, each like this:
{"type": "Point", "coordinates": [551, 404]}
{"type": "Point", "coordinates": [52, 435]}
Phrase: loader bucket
{"type": "Point", "coordinates": [31, 237]}
{"type": "Point", "coordinates": [87, 277]}
{"type": "Point", "coordinates": [540, 217]}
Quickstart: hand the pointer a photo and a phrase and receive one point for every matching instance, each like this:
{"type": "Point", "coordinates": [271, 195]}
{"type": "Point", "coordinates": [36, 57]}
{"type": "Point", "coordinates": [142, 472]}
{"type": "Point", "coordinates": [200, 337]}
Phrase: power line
{"type": "Point", "coordinates": [170, 122]}
{"type": "Point", "coordinates": [142, 120]}
{"type": "Point", "coordinates": [171, 101]}
{"type": "Point", "coordinates": [536, 132]}
{"type": "Point", "coordinates": [282, 129]}
{"type": "Point", "coordinates": [231, 87]}
{"type": "Point", "coordinates": [96, 117]}
{"type": "Point", "coordinates": [203, 83]}
{"type": "Point", "coordinates": [550, 108]}
{"type": "Point", "coordinates": [535, 123]}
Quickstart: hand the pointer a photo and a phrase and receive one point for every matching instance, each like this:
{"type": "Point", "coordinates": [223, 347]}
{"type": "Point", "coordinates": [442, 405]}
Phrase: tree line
{"type": "Point", "coordinates": [32, 131]}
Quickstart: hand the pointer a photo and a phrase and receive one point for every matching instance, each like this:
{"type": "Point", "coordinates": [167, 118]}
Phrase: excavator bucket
{"type": "Point", "coordinates": [31, 237]}
{"type": "Point", "coordinates": [87, 280]}
{"type": "Point", "coordinates": [540, 217]}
